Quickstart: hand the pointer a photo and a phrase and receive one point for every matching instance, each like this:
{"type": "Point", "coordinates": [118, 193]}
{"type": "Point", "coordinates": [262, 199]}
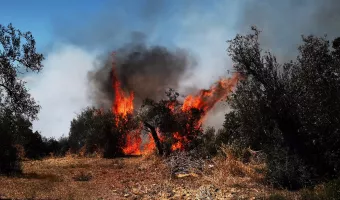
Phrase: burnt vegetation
{"type": "Point", "coordinates": [289, 112]}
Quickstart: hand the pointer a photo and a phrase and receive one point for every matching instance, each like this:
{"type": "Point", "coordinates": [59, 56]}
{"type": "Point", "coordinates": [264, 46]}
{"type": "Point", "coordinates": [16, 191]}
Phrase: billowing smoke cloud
{"type": "Point", "coordinates": [147, 71]}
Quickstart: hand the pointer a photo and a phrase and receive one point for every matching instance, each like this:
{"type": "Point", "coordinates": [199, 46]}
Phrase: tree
{"type": "Point", "coordinates": [289, 110]}
{"type": "Point", "coordinates": [16, 104]}
{"type": "Point", "coordinates": [167, 118]}
{"type": "Point", "coordinates": [97, 129]}
{"type": "Point", "coordinates": [15, 57]}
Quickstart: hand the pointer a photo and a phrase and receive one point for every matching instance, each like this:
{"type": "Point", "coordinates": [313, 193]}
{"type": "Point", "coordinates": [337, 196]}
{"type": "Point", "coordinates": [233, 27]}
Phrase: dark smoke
{"type": "Point", "coordinates": [283, 22]}
{"type": "Point", "coordinates": [146, 70]}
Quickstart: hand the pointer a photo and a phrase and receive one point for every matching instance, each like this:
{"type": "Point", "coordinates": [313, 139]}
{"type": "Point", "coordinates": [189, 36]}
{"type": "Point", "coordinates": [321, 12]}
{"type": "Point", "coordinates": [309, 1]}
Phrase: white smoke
{"type": "Point", "coordinates": [61, 88]}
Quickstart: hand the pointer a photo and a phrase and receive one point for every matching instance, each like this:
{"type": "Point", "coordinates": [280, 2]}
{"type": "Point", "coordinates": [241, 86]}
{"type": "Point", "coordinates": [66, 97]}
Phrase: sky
{"type": "Point", "coordinates": [73, 35]}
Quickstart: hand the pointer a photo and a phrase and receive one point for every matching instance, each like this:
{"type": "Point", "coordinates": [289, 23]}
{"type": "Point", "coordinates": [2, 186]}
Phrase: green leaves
{"type": "Point", "coordinates": [17, 52]}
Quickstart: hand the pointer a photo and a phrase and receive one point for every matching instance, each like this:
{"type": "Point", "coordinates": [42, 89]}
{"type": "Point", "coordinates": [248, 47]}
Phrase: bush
{"type": "Point", "coordinates": [96, 129]}
{"type": "Point", "coordinates": [9, 160]}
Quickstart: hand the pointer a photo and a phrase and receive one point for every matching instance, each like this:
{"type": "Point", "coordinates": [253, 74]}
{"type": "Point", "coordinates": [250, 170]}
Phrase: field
{"type": "Point", "coordinates": [132, 178]}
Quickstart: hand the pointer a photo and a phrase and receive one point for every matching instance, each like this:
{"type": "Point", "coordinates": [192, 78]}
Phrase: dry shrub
{"type": "Point", "coordinates": [82, 151]}
{"type": "Point", "coordinates": [233, 165]}
{"type": "Point", "coordinates": [184, 163]}
{"type": "Point", "coordinates": [69, 154]}
{"type": "Point", "coordinates": [228, 169]}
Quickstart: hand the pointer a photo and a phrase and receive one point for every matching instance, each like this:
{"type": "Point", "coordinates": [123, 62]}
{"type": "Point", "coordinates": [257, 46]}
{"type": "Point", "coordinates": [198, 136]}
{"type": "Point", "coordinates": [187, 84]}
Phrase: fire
{"type": "Point", "coordinates": [204, 100]}
{"type": "Point", "coordinates": [150, 145]}
{"type": "Point", "coordinates": [133, 142]}
{"type": "Point", "coordinates": [181, 140]}
{"type": "Point", "coordinates": [122, 106]}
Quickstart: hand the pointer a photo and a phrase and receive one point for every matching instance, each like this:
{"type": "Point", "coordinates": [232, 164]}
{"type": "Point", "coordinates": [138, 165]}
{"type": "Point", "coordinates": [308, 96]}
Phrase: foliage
{"type": "Point", "coordinates": [290, 111]}
{"type": "Point", "coordinates": [97, 129]}
{"type": "Point", "coordinates": [15, 57]}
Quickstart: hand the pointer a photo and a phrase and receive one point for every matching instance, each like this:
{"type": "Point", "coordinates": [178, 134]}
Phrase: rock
{"type": "Point", "coordinates": [126, 195]}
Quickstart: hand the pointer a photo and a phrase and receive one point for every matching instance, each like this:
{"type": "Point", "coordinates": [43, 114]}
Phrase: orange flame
{"type": "Point", "coordinates": [206, 99]}
{"type": "Point", "coordinates": [181, 140]}
{"type": "Point", "coordinates": [123, 105]}
{"type": "Point", "coordinates": [132, 145]}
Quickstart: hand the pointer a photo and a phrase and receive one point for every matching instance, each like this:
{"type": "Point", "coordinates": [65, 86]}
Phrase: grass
{"type": "Point", "coordinates": [145, 177]}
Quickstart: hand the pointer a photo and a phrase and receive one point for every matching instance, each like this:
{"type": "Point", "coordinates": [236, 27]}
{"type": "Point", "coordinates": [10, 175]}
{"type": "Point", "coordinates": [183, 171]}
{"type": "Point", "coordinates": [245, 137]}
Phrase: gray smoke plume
{"type": "Point", "coordinates": [283, 22]}
{"type": "Point", "coordinates": [147, 71]}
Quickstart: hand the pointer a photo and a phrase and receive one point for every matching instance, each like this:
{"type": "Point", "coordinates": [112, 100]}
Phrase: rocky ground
{"type": "Point", "coordinates": [133, 178]}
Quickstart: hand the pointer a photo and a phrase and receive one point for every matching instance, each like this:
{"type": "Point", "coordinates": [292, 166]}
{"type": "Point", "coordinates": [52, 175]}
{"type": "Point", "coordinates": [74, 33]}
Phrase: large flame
{"type": "Point", "coordinates": [122, 106]}
{"type": "Point", "coordinates": [204, 100]}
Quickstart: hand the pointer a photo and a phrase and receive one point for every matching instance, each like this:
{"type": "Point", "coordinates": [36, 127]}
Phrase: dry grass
{"type": "Point", "coordinates": [145, 177]}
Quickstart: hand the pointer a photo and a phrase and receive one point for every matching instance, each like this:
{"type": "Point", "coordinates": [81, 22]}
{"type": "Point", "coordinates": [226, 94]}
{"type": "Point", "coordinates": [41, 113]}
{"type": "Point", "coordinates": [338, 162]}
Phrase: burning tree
{"type": "Point", "coordinates": [177, 124]}
{"type": "Point", "coordinates": [171, 124]}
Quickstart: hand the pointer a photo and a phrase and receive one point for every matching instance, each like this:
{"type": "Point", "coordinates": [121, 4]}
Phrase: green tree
{"type": "Point", "coordinates": [17, 55]}
{"type": "Point", "coordinates": [289, 110]}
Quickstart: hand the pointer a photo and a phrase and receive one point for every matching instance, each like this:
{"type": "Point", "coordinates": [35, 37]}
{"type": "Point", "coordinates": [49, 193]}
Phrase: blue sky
{"type": "Point", "coordinates": [46, 19]}
{"type": "Point", "coordinates": [39, 16]}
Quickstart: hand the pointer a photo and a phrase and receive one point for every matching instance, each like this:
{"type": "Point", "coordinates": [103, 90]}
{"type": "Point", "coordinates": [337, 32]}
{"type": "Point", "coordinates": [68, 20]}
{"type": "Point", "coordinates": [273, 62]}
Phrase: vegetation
{"type": "Point", "coordinates": [100, 130]}
{"type": "Point", "coordinates": [17, 107]}
{"type": "Point", "coordinates": [290, 111]}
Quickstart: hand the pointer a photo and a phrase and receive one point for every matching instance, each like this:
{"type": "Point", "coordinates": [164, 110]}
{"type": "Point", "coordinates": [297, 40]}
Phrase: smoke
{"type": "Point", "coordinates": [61, 88]}
{"type": "Point", "coordinates": [146, 70]}
{"type": "Point", "coordinates": [283, 22]}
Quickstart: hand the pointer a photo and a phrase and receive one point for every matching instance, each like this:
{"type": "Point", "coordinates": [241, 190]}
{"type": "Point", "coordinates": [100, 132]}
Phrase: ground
{"type": "Point", "coordinates": [130, 178]}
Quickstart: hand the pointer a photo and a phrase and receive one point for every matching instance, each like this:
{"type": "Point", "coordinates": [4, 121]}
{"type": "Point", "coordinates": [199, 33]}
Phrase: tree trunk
{"type": "Point", "coordinates": [155, 137]}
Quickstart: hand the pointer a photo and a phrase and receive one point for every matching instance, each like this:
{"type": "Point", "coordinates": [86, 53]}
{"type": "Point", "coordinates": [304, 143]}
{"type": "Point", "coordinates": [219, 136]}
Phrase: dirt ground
{"type": "Point", "coordinates": [129, 178]}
